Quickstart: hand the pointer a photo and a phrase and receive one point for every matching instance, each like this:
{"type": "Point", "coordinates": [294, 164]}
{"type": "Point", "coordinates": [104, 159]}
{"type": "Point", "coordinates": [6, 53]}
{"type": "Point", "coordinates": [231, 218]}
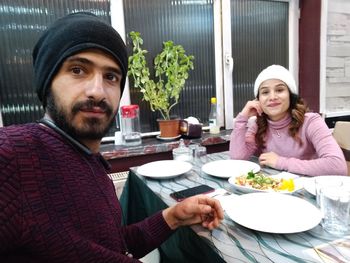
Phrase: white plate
{"type": "Point", "coordinates": [309, 183]}
{"type": "Point", "coordinates": [228, 168]}
{"type": "Point", "coordinates": [274, 213]}
{"type": "Point", "coordinates": [298, 184]}
{"type": "Point", "coordinates": [164, 169]}
{"type": "Point", "coordinates": [168, 138]}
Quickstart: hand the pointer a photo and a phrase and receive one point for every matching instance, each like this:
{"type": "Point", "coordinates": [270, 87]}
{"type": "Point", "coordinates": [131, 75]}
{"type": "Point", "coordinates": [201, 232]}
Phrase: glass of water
{"type": "Point", "coordinates": [334, 203]}
{"type": "Point", "coordinates": [200, 156]}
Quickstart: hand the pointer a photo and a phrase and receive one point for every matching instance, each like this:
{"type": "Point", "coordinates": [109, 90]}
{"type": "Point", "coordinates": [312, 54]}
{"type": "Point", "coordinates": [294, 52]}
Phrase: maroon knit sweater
{"type": "Point", "coordinates": [57, 204]}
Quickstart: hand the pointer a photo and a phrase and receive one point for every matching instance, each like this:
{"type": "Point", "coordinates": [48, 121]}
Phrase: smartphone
{"type": "Point", "coordinates": [200, 189]}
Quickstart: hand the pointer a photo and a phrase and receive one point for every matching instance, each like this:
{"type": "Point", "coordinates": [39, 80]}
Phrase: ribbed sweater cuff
{"type": "Point", "coordinates": [281, 163]}
{"type": "Point", "coordinates": [159, 227]}
{"type": "Point", "coordinates": [240, 117]}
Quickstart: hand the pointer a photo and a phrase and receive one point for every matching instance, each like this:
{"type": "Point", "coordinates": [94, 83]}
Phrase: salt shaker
{"type": "Point", "coordinates": [182, 153]}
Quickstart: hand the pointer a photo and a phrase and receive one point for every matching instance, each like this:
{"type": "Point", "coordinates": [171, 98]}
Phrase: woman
{"type": "Point", "coordinates": [277, 127]}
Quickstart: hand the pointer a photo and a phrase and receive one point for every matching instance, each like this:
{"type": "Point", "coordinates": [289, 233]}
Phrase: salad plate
{"type": "Point", "coordinates": [297, 181]}
{"type": "Point", "coordinates": [228, 168]}
{"type": "Point", "coordinates": [164, 169]}
{"type": "Point", "coordinates": [274, 213]}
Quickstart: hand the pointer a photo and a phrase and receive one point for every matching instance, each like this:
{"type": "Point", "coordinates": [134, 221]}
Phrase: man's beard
{"type": "Point", "coordinates": [90, 129]}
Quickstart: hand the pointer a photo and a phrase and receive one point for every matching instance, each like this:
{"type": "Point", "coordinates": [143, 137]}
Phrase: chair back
{"type": "Point", "coordinates": [341, 134]}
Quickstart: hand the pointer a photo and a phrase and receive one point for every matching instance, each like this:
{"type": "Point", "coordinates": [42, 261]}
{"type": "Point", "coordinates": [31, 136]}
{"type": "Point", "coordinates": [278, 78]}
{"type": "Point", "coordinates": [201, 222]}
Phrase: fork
{"type": "Point", "coordinates": [219, 192]}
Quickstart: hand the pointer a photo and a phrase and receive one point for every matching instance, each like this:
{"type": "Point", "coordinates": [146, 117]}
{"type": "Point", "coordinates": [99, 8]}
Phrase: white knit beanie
{"type": "Point", "coordinates": [275, 72]}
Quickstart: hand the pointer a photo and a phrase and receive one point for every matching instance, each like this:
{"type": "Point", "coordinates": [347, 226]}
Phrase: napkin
{"type": "Point", "coordinates": [334, 252]}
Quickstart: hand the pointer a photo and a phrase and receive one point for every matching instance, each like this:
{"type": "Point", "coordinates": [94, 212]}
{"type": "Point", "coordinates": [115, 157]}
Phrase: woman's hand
{"type": "Point", "coordinates": [252, 108]}
{"type": "Point", "coordinates": [194, 210]}
{"type": "Point", "coordinates": [268, 159]}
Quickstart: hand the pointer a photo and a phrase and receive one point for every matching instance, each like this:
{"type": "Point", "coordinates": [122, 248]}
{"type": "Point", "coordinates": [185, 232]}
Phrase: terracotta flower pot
{"type": "Point", "coordinates": [169, 128]}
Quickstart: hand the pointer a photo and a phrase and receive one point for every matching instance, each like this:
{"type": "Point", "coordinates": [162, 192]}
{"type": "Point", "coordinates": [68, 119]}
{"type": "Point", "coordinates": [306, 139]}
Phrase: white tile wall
{"type": "Point", "coordinates": [338, 57]}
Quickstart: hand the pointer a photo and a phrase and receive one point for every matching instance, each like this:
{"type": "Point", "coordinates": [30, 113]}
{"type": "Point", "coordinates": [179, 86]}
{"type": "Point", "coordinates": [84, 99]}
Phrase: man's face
{"type": "Point", "coordinates": [85, 94]}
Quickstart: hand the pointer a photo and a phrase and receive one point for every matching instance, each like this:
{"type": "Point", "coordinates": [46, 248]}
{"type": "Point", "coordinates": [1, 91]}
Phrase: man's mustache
{"type": "Point", "coordinates": [91, 104]}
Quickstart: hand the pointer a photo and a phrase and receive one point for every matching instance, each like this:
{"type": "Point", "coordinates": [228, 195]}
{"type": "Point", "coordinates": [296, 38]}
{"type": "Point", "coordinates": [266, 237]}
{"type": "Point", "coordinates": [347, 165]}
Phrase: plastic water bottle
{"type": "Point", "coordinates": [130, 125]}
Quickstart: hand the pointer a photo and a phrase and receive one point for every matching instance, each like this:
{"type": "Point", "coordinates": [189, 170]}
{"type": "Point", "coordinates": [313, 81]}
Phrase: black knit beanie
{"type": "Point", "coordinates": [70, 35]}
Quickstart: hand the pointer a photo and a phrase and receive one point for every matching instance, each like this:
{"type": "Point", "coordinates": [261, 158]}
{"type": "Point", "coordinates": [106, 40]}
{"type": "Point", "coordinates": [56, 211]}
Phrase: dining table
{"type": "Point", "coordinates": [230, 242]}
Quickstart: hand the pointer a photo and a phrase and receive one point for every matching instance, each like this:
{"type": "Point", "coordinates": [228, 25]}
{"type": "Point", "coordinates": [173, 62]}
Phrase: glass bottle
{"type": "Point", "coordinates": [213, 125]}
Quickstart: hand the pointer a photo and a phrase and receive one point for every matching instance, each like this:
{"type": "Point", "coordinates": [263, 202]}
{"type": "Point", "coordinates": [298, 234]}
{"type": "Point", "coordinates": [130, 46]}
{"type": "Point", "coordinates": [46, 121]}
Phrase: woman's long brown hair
{"type": "Point", "coordinates": [297, 110]}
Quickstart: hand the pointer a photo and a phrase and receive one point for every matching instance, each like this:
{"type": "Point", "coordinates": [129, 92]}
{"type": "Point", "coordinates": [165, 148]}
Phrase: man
{"type": "Point", "coordinates": [57, 203]}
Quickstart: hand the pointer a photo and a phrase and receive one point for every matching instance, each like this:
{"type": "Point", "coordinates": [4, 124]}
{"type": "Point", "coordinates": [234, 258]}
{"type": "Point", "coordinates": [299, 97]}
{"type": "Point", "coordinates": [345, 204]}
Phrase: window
{"type": "Point", "coordinates": [190, 24]}
{"type": "Point", "coordinates": [22, 22]}
{"type": "Point", "coordinates": [230, 40]}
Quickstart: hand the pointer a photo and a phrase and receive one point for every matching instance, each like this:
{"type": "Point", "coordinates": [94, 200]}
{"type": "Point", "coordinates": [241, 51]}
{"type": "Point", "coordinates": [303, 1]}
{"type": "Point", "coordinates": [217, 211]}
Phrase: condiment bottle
{"type": "Point", "coordinates": [213, 125]}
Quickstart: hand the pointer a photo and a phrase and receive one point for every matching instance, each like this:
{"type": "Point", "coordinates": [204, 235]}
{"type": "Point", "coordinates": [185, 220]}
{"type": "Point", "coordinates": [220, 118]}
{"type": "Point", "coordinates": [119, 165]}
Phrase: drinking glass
{"type": "Point", "coordinates": [334, 203]}
{"type": "Point", "coordinates": [321, 182]}
{"type": "Point", "coordinates": [200, 156]}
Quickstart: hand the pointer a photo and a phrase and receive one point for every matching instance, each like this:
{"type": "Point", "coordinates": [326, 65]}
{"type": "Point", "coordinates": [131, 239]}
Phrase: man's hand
{"type": "Point", "coordinates": [252, 108]}
{"type": "Point", "coordinates": [268, 159]}
{"type": "Point", "coordinates": [193, 210]}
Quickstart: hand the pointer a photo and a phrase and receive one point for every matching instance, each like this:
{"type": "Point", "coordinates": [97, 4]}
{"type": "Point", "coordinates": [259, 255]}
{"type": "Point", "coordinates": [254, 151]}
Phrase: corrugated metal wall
{"type": "Point", "coordinates": [21, 23]}
{"type": "Point", "coordinates": [259, 39]}
{"type": "Point", "coordinates": [190, 24]}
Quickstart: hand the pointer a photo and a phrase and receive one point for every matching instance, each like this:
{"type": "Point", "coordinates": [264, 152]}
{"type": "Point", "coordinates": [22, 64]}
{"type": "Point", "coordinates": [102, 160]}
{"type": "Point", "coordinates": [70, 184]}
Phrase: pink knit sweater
{"type": "Point", "coordinates": [319, 154]}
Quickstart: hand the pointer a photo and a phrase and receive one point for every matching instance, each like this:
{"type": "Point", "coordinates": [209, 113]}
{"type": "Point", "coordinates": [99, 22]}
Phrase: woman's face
{"type": "Point", "coordinates": [274, 98]}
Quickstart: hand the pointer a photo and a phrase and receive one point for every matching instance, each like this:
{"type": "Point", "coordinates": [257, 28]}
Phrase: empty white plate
{"type": "Point", "coordinates": [229, 168]}
{"type": "Point", "coordinates": [274, 213]}
{"type": "Point", "coordinates": [164, 169]}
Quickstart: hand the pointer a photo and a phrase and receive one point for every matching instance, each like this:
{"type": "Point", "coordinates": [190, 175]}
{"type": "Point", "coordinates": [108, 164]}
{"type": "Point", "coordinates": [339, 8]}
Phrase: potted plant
{"type": "Point", "coordinates": [171, 67]}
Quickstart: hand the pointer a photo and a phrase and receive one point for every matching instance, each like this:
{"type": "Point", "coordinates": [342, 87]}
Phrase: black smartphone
{"type": "Point", "coordinates": [200, 189]}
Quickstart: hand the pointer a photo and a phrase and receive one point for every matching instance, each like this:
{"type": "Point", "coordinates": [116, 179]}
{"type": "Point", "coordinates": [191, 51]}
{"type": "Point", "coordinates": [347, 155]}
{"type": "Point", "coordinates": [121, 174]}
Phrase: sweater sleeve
{"type": "Point", "coordinates": [330, 159]}
{"type": "Point", "coordinates": [242, 140]}
{"type": "Point", "coordinates": [10, 207]}
{"type": "Point", "coordinates": [143, 237]}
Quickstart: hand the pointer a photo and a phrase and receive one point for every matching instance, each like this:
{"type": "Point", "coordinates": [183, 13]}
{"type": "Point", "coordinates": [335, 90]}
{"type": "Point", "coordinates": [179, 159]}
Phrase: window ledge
{"type": "Point", "coordinates": [153, 145]}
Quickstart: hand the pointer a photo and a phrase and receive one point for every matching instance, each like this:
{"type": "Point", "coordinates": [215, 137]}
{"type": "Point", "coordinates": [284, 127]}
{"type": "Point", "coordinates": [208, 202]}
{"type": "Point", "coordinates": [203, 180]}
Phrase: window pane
{"type": "Point", "coordinates": [190, 24]}
{"type": "Point", "coordinates": [259, 39]}
{"type": "Point", "coordinates": [21, 23]}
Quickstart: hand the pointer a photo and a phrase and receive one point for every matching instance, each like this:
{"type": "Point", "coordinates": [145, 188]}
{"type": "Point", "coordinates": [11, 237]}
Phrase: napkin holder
{"type": "Point", "coordinates": [190, 130]}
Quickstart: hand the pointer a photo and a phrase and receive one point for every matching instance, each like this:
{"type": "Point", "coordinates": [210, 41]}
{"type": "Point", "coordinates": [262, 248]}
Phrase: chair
{"type": "Point", "coordinates": [119, 180]}
{"type": "Point", "coordinates": [341, 134]}
{"type": "Point", "coordinates": [152, 257]}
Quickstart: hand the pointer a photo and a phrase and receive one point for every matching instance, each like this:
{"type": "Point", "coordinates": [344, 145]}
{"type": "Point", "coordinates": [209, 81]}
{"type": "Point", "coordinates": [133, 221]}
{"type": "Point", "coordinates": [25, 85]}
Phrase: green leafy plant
{"type": "Point", "coordinates": [171, 68]}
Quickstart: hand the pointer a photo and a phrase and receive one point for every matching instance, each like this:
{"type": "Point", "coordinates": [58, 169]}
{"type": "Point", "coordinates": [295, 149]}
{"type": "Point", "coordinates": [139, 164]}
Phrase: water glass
{"type": "Point", "coordinates": [200, 156]}
{"type": "Point", "coordinates": [321, 182]}
{"type": "Point", "coordinates": [334, 203]}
